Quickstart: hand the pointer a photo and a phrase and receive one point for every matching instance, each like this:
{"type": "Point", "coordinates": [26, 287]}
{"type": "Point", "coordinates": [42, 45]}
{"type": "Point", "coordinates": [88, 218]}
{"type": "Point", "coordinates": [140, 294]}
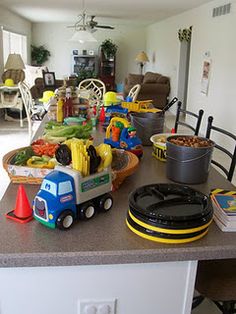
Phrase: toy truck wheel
{"type": "Point", "coordinates": [87, 210]}
{"type": "Point", "coordinates": [65, 220]}
{"type": "Point", "coordinates": [106, 202]}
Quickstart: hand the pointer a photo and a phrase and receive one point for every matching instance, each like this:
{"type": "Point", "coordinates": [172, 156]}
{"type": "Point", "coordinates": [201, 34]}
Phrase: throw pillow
{"type": "Point", "coordinates": [134, 79]}
{"type": "Point", "coordinates": [163, 80]}
{"type": "Point", "coordinates": [32, 72]}
{"type": "Point", "coordinates": [151, 77]}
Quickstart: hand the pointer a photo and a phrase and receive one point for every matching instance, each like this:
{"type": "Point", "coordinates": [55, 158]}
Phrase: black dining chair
{"type": "Point", "coordinates": [178, 122]}
{"type": "Point", "coordinates": [216, 280]}
{"type": "Point", "coordinates": [229, 172]}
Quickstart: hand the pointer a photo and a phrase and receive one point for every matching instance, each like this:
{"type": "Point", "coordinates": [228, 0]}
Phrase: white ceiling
{"type": "Point", "coordinates": [112, 11]}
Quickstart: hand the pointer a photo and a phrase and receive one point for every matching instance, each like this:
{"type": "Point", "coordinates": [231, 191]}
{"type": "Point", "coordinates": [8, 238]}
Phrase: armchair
{"type": "Point", "coordinates": [154, 86]}
{"type": "Point", "coordinates": [38, 88]}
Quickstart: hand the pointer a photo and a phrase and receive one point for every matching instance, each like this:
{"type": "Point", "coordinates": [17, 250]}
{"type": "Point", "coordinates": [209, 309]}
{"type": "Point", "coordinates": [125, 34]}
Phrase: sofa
{"type": "Point", "coordinates": [154, 86]}
{"type": "Point", "coordinates": [38, 88]}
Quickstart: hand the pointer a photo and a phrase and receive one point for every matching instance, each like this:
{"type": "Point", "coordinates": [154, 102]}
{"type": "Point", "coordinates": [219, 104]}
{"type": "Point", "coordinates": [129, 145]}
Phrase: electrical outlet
{"type": "Point", "coordinates": [98, 306]}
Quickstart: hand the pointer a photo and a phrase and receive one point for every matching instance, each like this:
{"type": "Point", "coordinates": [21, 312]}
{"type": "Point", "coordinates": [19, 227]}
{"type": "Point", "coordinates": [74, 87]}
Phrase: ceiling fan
{"type": "Point", "coordinates": [88, 23]}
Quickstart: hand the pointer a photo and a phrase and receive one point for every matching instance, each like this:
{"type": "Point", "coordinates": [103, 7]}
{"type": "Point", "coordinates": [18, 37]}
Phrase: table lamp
{"type": "Point", "coordinates": [142, 58]}
{"type": "Point", "coordinates": [14, 62]}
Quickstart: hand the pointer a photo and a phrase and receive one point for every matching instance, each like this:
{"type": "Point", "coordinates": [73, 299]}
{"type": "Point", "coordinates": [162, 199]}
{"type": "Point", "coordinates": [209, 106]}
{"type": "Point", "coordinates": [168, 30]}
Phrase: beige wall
{"type": "Point", "coordinates": [17, 24]}
{"type": "Point", "coordinates": [55, 36]}
{"type": "Point", "coordinates": [210, 35]}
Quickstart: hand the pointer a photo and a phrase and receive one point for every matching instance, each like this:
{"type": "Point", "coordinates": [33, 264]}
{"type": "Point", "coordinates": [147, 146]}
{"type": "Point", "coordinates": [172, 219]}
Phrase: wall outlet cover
{"type": "Point", "coordinates": [98, 306]}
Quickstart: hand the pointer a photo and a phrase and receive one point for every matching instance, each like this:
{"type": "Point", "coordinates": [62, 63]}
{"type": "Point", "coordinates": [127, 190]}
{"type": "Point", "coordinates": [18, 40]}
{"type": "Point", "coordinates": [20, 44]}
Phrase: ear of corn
{"type": "Point", "coordinates": [81, 159]}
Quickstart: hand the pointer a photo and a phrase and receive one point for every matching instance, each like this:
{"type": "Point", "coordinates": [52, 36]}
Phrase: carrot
{"type": "Point", "coordinates": [41, 147]}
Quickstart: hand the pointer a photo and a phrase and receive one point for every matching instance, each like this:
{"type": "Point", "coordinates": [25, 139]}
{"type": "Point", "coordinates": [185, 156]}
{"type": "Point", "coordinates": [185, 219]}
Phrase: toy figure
{"type": "Point", "coordinates": [131, 132]}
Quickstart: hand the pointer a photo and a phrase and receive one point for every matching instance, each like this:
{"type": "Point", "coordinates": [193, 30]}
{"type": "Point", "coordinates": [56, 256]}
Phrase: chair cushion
{"type": "Point", "coordinates": [151, 77]}
{"type": "Point", "coordinates": [134, 79]}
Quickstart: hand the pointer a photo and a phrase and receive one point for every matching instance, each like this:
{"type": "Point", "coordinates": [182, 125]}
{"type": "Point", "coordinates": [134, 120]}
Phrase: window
{"type": "Point", "coordinates": [14, 43]}
{"type": "Point", "coordinates": [49, 187]}
{"type": "Point", "coordinates": [64, 188]}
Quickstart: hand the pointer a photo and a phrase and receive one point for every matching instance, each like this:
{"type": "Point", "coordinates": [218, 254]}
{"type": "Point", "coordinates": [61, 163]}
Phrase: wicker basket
{"type": "Point", "coordinates": [123, 165]}
{"type": "Point", "coordinates": [22, 174]}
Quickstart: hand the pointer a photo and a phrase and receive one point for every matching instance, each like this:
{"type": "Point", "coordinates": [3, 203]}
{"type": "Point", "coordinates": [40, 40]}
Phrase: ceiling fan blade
{"type": "Point", "coordinates": [105, 26]}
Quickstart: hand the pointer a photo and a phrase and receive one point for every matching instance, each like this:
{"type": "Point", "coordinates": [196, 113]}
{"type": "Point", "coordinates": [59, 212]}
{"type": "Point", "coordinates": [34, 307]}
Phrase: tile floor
{"type": "Point", "coordinates": [206, 307]}
{"type": "Point", "coordinates": [12, 137]}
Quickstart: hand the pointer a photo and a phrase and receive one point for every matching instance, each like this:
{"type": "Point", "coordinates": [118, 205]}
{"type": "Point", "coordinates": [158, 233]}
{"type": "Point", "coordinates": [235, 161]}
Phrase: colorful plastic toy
{"type": "Point", "coordinates": [66, 196]}
{"type": "Point", "coordinates": [110, 98]}
{"type": "Point", "coordinates": [140, 106]}
{"type": "Point", "coordinates": [115, 111]}
{"type": "Point", "coordinates": [120, 134]}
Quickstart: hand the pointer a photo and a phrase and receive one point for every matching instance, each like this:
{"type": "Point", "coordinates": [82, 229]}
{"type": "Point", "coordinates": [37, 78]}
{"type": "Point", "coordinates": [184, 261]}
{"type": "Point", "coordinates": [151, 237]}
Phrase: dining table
{"type": "Point", "coordinates": [52, 271]}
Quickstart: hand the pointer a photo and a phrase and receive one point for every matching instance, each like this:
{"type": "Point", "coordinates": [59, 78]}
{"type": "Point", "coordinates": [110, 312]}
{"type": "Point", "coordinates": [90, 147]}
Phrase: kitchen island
{"type": "Point", "coordinates": [102, 259]}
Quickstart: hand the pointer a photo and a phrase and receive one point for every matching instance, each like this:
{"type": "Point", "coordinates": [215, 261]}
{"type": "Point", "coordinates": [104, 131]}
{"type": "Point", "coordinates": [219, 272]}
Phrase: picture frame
{"type": "Point", "coordinates": [206, 69]}
{"type": "Point", "coordinates": [75, 52]}
{"type": "Point", "coordinates": [49, 79]}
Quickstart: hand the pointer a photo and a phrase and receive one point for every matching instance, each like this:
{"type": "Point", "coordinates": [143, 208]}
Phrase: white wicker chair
{"type": "Point", "coordinates": [28, 104]}
{"type": "Point", "coordinates": [134, 91]}
{"type": "Point", "coordinates": [96, 86]}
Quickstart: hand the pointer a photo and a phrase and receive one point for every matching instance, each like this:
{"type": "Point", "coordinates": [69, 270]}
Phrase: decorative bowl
{"type": "Point", "coordinates": [124, 164]}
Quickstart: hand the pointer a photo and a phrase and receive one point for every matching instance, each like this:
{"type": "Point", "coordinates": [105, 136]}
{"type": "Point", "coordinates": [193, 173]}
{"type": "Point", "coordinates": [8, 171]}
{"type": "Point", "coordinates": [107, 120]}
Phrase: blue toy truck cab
{"type": "Point", "coordinates": [56, 193]}
{"type": "Point", "coordinates": [66, 196]}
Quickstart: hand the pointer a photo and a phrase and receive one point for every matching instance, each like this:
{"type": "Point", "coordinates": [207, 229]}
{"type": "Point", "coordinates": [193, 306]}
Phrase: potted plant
{"type": "Point", "coordinates": [84, 74]}
{"type": "Point", "coordinates": [39, 55]}
{"type": "Point", "coordinates": [109, 48]}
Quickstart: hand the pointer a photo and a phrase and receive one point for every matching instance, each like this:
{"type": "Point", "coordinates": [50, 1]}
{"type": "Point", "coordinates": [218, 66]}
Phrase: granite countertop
{"type": "Point", "coordinates": [105, 239]}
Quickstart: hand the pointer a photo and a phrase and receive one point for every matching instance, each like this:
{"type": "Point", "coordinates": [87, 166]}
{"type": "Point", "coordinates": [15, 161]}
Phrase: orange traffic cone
{"type": "Point", "coordinates": [23, 212]}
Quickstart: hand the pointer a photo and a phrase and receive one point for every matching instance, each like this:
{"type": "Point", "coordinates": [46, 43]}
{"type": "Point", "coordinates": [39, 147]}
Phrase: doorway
{"type": "Point", "coordinates": [183, 72]}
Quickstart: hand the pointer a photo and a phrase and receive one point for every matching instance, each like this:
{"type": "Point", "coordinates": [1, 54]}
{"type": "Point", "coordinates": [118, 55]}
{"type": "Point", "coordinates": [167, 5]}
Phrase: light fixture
{"type": "Point", "coordinates": [82, 35]}
{"type": "Point", "coordinates": [14, 62]}
{"type": "Point", "coordinates": [141, 58]}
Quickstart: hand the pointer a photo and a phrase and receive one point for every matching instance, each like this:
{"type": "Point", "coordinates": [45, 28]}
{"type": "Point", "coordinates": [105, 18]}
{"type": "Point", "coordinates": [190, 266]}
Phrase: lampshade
{"type": "Point", "coordinates": [82, 36]}
{"type": "Point", "coordinates": [14, 62]}
{"type": "Point", "coordinates": [142, 57]}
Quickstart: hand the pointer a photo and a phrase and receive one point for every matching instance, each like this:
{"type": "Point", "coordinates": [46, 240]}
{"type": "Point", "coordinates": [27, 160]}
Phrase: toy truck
{"type": "Point", "coordinates": [140, 106]}
{"type": "Point", "coordinates": [66, 196]}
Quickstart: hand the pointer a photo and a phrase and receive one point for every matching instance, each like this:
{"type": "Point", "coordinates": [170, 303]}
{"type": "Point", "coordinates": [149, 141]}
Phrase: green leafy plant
{"type": "Point", "coordinates": [109, 48]}
{"type": "Point", "coordinates": [39, 55]}
{"type": "Point", "coordinates": [84, 74]}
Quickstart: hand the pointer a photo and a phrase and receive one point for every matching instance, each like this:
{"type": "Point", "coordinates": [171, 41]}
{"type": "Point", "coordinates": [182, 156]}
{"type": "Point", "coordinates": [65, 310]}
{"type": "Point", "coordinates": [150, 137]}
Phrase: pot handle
{"type": "Point", "coordinates": [170, 104]}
